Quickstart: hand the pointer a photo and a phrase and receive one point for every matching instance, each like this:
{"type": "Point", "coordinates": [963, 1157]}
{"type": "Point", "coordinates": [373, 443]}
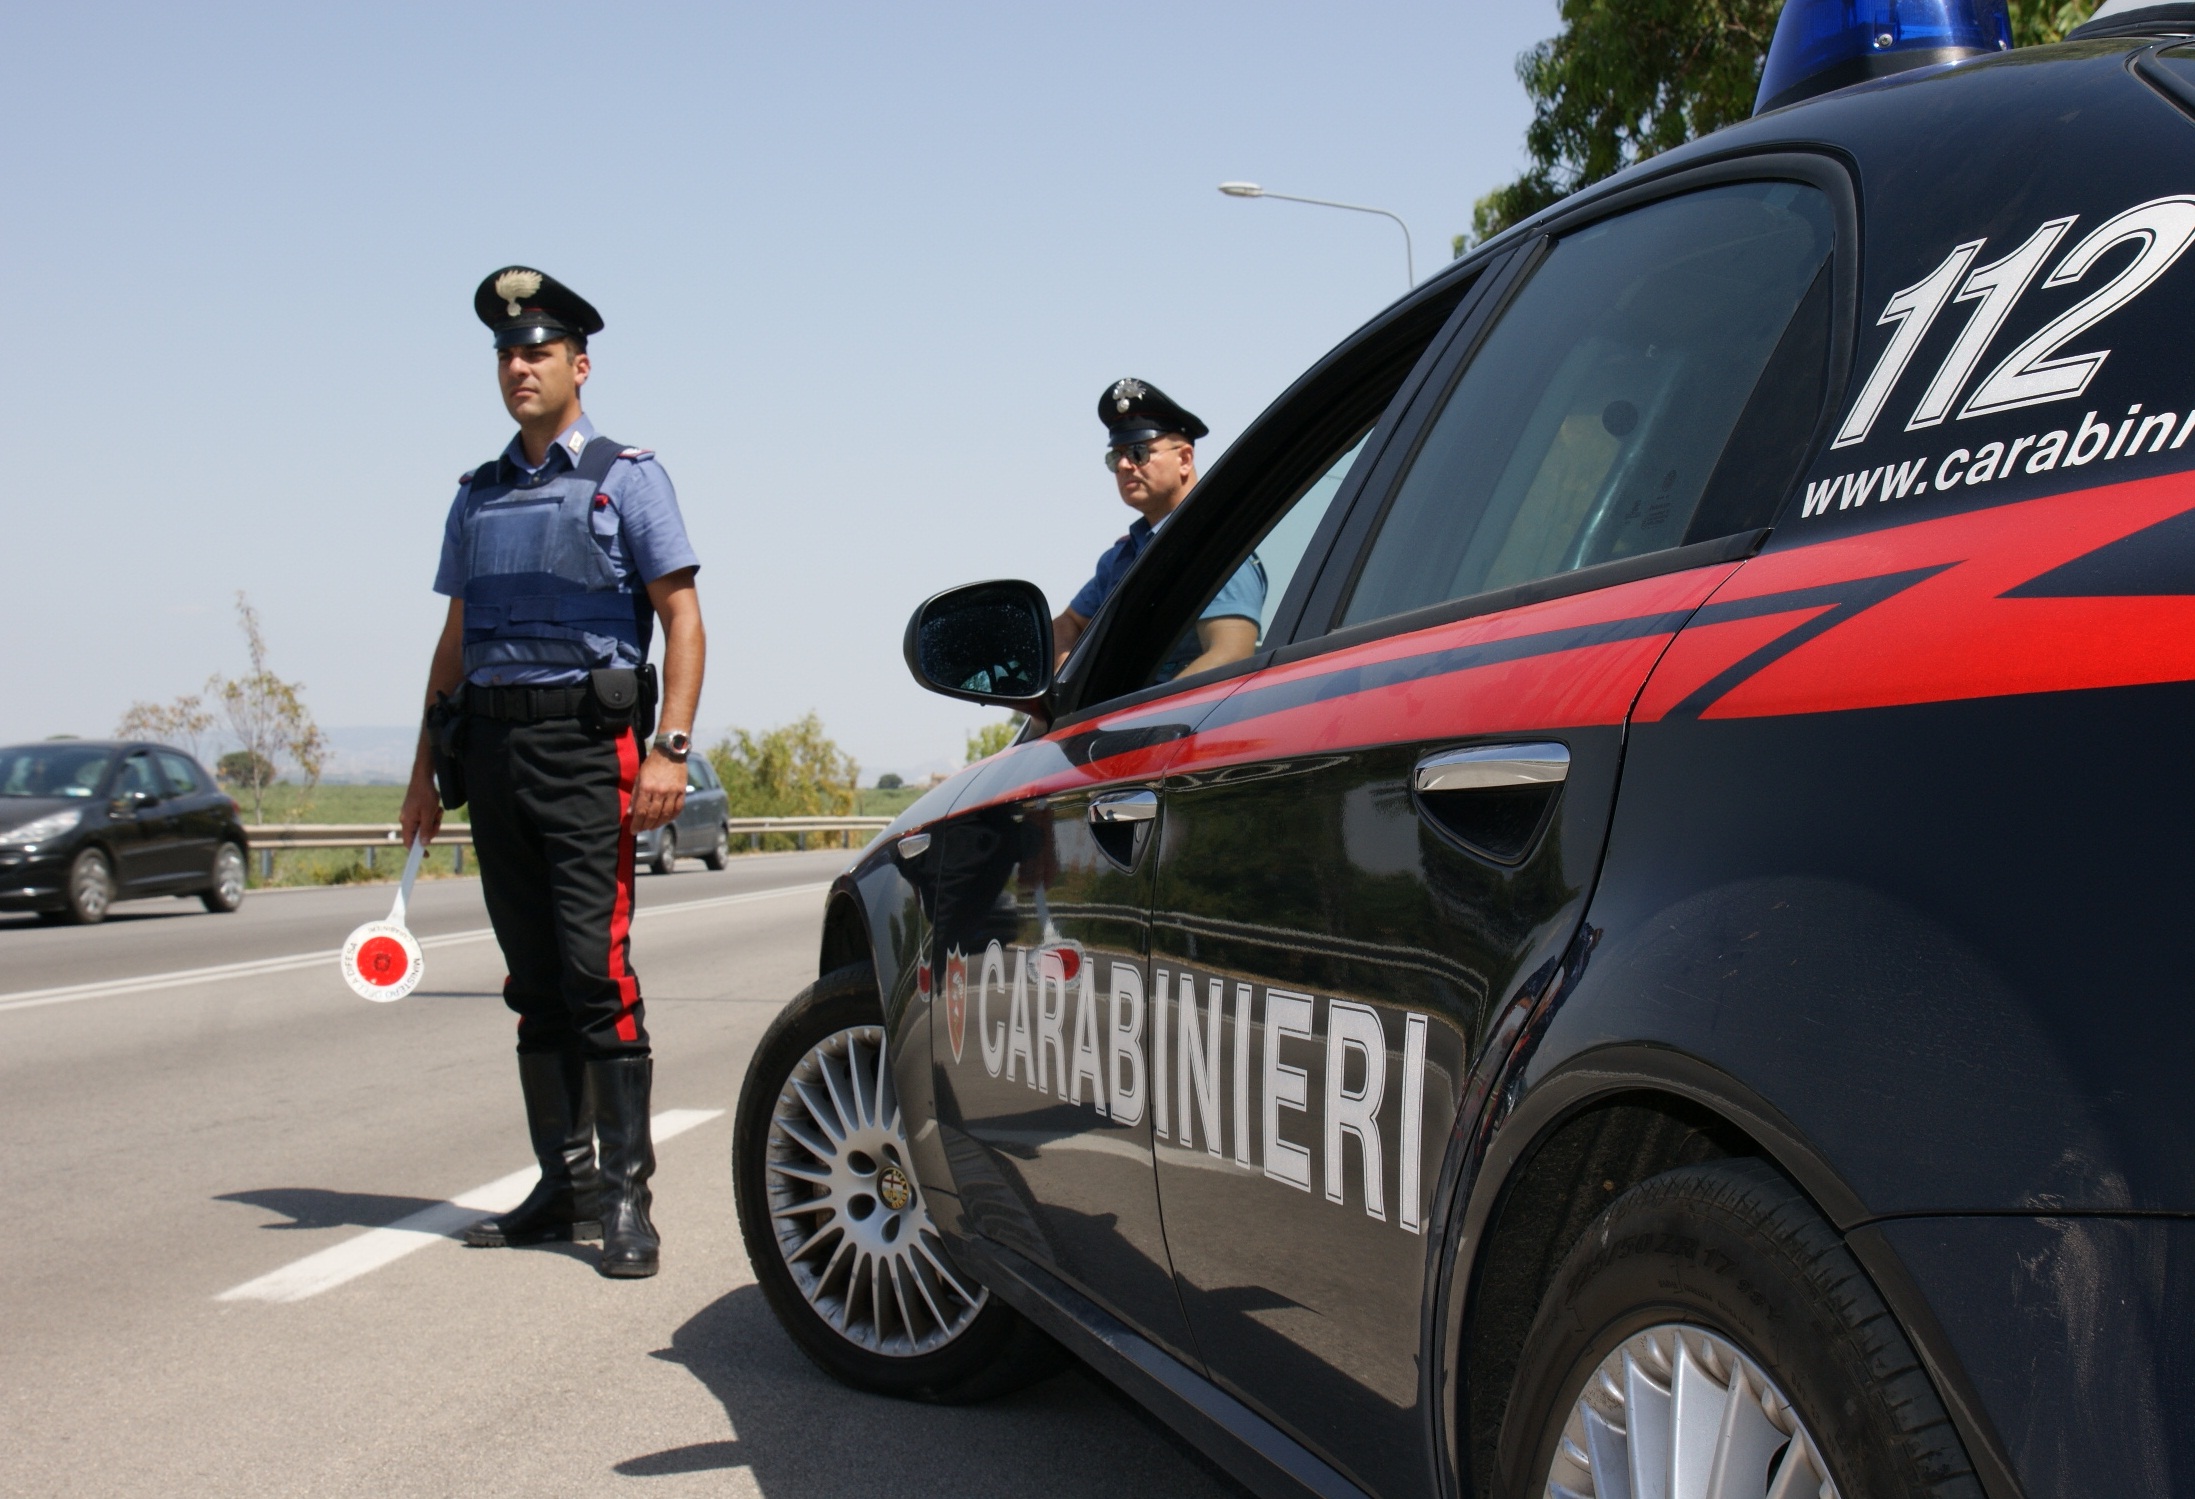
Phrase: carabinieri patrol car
{"type": "Point", "coordinates": [1665, 974]}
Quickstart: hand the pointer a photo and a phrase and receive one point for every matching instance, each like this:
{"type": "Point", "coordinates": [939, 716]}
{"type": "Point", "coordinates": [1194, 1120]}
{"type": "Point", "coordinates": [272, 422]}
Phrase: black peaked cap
{"type": "Point", "coordinates": [526, 306]}
{"type": "Point", "coordinates": [1137, 411]}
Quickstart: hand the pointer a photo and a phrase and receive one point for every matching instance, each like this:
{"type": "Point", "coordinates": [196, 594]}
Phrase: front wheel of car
{"type": "Point", "coordinates": [1710, 1333]}
{"type": "Point", "coordinates": [666, 851]}
{"type": "Point", "coordinates": [91, 887]}
{"type": "Point", "coordinates": [226, 893]}
{"type": "Point", "coordinates": [720, 852]}
{"type": "Point", "coordinates": [835, 1224]}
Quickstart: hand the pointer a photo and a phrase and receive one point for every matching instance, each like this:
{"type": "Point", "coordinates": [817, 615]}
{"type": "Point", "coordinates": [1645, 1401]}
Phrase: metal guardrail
{"type": "Point", "coordinates": [367, 835]}
{"type": "Point", "coordinates": [267, 837]}
{"type": "Point", "coordinates": [807, 824]}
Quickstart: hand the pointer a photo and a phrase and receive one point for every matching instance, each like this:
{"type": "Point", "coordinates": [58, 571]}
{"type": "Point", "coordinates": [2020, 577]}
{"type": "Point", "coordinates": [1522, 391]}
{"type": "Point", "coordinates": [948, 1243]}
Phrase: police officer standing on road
{"type": "Point", "coordinates": [1151, 454]}
{"type": "Point", "coordinates": [558, 558]}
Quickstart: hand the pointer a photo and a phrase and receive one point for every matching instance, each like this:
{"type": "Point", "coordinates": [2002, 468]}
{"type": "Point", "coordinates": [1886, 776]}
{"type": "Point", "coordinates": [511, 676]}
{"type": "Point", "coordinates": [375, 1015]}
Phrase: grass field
{"type": "Point", "coordinates": [287, 803]}
{"type": "Point", "coordinates": [875, 803]}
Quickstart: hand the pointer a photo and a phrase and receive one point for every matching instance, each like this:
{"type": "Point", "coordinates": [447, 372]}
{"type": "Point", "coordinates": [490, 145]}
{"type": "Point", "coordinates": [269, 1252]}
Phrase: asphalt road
{"type": "Point", "coordinates": [172, 1150]}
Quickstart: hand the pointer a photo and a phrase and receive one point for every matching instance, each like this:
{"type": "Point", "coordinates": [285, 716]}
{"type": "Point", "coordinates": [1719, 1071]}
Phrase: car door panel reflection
{"type": "Point", "coordinates": [1039, 1028]}
{"type": "Point", "coordinates": [1301, 891]}
{"type": "Point", "coordinates": [1135, 743]}
{"type": "Point", "coordinates": [1575, 660]}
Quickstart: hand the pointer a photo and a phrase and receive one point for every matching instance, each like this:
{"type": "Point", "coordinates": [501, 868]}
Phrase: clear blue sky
{"type": "Point", "coordinates": [865, 270]}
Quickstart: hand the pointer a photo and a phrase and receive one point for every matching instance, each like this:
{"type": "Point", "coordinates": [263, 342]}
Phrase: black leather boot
{"type": "Point", "coordinates": [560, 1118]}
{"type": "Point", "coordinates": [630, 1246]}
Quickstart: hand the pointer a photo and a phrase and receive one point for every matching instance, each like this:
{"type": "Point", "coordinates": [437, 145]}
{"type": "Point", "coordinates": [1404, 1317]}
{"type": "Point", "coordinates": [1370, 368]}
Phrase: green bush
{"type": "Point", "coordinates": [239, 768]}
{"type": "Point", "coordinates": [993, 737]}
{"type": "Point", "coordinates": [794, 770]}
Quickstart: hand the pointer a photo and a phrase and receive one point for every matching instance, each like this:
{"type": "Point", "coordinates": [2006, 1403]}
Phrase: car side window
{"type": "Point", "coordinates": [137, 774]}
{"type": "Point", "coordinates": [182, 776]}
{"type": "Point", "coordinates": [697, 776]}
{"type": "Point", "coordinates": [1593, 422]}
{"type": "Point", "coordinates": [1232, 620]}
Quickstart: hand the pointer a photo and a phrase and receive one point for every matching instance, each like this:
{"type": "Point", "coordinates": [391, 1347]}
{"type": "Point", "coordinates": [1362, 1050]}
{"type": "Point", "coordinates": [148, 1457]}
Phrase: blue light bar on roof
{"type": "Point", "coordinates": [1826, 44]}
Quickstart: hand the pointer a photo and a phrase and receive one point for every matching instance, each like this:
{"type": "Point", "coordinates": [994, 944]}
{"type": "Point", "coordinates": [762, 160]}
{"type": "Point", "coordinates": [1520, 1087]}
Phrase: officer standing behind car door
{"type": "Point", "coordinates": [558, 558]}
{"type": "Point", "coordinates": [1151, 454]}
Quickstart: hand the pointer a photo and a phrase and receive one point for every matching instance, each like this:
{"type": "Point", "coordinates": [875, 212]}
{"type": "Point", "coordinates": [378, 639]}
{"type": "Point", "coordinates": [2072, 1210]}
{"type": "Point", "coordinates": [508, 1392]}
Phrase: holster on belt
{"type": "Point", "coordinates": [622, 697]}
{"type": "Point", "coordinates": [446, 745]}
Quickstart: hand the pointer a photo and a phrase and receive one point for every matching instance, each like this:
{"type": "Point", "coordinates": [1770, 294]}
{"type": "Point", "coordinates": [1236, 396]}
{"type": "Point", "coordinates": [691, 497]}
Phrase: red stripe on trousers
{"type": "Point", "coordinates": [621, 912]}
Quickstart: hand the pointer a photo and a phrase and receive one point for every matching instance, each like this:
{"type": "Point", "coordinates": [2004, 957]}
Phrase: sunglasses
{"type": "Point", "coordinates": [1137, 454]}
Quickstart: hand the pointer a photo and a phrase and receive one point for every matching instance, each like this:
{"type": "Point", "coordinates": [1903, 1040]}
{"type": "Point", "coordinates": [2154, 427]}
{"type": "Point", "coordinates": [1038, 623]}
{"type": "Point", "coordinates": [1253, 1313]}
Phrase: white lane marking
{"type": "Point", "coordinates": [369, 1251]}
{"type": "Point", "coordinates": [31, 999]}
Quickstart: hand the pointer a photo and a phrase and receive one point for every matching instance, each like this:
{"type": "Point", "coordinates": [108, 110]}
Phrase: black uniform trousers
{"type": "Point", "coordinates": [552, 827]}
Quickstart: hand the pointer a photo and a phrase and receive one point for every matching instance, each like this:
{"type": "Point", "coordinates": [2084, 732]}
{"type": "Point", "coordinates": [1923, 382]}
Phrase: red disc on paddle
{"type": "Point", "coordinates": [382, 961]}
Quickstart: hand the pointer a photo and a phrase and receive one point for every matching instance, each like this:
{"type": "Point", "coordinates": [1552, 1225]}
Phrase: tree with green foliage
{"type": "Point", "coordinates": [889, 782]}
{"type": "Point", "coordinates": [2036, 23]}
{"type": "Point", "coordinates": [795, 770]}
{"type": "Point", "coordinates": [242, 768]}
{"type": "Point", "coordinates": [1628, 79]}
{"type": "Point", "coordinates": [993, 737]}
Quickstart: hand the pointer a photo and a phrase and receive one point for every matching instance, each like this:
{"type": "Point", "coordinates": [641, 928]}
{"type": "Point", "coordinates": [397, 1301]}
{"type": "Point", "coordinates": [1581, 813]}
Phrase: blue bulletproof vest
{"type": "Point", "coordinates": [538, 590]}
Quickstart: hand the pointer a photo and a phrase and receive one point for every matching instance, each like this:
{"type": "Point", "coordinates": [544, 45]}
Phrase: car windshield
{"type": "Point", "coordinates": [52, 769]}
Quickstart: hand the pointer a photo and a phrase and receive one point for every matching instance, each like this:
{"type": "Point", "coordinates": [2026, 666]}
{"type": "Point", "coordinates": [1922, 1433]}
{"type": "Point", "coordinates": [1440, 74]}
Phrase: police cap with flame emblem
{"type": "Point", "coordinates": [1137, 411]}
{"type": "Point", "coordinates": [525, 306]}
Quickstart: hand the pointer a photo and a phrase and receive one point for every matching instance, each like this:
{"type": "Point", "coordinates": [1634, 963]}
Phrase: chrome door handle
{"type": "Point", "coordinates": [1490, 765]}
{"type": "Point", "coordinates": [1124, 806]}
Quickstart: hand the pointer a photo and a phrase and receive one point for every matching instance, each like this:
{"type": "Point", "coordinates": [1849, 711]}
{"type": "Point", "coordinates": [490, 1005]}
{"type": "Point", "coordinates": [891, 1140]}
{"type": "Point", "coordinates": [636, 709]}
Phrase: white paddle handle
{"type": "Point", "coordinates": [411, 872]}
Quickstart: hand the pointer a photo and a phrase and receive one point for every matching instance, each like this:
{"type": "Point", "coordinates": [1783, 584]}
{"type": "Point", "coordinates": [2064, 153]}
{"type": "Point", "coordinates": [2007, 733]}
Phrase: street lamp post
{"type": "Point", "coordinates": [1252, 190]}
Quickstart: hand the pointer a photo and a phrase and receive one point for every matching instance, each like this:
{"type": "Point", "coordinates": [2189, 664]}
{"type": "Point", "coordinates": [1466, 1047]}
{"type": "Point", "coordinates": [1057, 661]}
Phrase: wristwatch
{"type": "Point", "coordinates": [676, 745]}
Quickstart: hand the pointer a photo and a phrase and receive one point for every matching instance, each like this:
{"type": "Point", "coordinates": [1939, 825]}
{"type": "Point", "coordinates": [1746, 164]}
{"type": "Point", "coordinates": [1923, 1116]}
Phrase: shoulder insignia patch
{"type": "Point", "coordinates": [637, 454]}
{"type": "Point", "coordinates": [467, 476]}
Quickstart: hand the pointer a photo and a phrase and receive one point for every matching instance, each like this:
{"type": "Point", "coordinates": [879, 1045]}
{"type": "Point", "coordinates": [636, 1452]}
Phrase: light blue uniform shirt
{"type": "Point", "coordinates": [640, 532]}
{"type": "Point", "coordinates": [1242, 598]}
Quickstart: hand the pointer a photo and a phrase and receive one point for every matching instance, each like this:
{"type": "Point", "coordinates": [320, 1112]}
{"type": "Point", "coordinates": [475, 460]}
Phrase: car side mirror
{"type": "Point", "coordinates": [985, 643]}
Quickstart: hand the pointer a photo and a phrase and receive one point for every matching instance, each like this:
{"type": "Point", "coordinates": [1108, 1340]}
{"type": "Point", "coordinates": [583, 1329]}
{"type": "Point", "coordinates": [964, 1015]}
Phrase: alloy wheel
{"type": "Point", "coordinates": [844, 1208]}
{"type": "Point", "coordinates": [91, 886]}
{"type": "Point", "coordinates": [1678, 1410]}
{"type": "Point", "coordinates": [228, 877]}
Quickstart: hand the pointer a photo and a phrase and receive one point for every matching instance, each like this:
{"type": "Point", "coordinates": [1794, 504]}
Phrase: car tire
{"type": "Point", "coordinates": [1695, 1276]}
{"type": "Point", "coordinates": [666, 851]}
{"type": "Point", "coordinates": [91, 888]}
{"type": "Point", "coordinates": [941, 1337]}
{"type": "Point", "coordinates": [721, 854]}
{"type": "Point", "coordinates": [226, 893]}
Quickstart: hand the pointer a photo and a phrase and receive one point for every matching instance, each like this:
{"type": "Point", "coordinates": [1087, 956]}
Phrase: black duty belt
{"type": "Point", "coordinates": [525, 704]}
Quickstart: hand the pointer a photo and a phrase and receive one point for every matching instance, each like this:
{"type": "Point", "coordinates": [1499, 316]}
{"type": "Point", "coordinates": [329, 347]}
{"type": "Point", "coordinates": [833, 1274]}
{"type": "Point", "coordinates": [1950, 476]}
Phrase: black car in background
{"type": "Point", "coordinates": [1662, 974]}
{"type": "Point", "coordinates": [698, 832]}
{"type": "Point", "coordinates": [86, 823]}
